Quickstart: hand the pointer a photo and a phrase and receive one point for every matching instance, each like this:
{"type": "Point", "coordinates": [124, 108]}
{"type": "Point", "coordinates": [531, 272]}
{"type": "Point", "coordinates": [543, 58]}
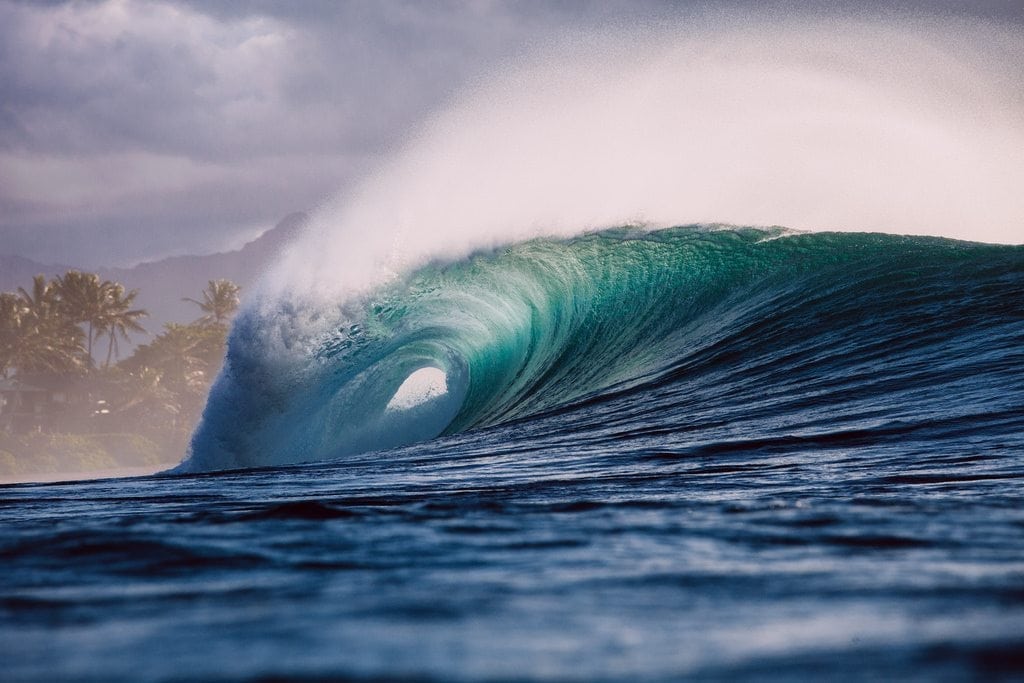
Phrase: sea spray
{"type": "Point", "coordinates": [893, 124]}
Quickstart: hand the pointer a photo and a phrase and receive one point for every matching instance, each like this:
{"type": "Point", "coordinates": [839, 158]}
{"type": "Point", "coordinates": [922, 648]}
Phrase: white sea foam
{"type": "Point", "coordinates": [421, 386]}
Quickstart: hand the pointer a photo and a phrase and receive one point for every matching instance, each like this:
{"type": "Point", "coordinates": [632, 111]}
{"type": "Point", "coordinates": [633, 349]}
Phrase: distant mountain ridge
{"type": "Point", "coordinates": [163, 283]}
{"type": "Point", "coordinates": [18, 271]}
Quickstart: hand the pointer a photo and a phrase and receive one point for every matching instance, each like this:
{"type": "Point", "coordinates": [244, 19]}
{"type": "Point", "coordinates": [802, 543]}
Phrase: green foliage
{"type": "Point", "coordinates": [83, 300]}
{"type": "Point", "coordinates": [139, 412]}
{"type": "Point", "coordinates": [41, 453]}
{"type": "Point", "coordinates": [163, 386]}
{"type": "Point", "coordinates": [120, 318]}
{"type": "Point", "coordinates": [220, 301]}
{"type": "Point", "coordinates": [35, 335]}
{"type": "Point", "coordinates": [103, 307]}
{"type": "Point", "coordinates": [185, 356]}
{"type": "Point", "coordinates": [10, 330]}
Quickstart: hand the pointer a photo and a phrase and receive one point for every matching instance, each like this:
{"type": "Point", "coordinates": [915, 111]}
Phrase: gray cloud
{"type": "Point", "coordinates": [133, 129]}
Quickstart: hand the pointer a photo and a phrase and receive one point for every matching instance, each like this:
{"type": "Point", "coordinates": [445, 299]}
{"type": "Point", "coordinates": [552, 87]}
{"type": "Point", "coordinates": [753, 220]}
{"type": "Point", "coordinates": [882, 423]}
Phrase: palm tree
{"type": "Point", "coordinates": [103, 306]}
{"type": "Point", "coordinates": [10, 329]}
{"type": "Point", "coordinates": [220, 301]}
{"type": "Point", "coordinates": [40, 337]}
{"type": "Point", "coordinates": [179, 353]}
{"type": "Point", "coordinates": [85, 299]}
{"type": "Point", "coordinates": [118, 319]}
{"type": "Point", "coordinates": [42, 301]}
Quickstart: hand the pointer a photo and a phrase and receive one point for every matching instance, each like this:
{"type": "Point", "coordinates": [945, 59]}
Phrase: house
{"type": "Point", "coordinates": [23, 407]}
{"type": "Point", "coordinates": [47, 403]}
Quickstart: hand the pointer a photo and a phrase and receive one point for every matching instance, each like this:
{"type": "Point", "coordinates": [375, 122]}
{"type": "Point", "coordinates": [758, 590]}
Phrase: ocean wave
{"type": "Point", "coordinates": [547, 325]}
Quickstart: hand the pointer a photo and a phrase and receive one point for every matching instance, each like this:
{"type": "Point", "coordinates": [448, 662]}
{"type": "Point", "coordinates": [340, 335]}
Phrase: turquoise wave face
{"type": "Point", "coordinates": [545, 324]}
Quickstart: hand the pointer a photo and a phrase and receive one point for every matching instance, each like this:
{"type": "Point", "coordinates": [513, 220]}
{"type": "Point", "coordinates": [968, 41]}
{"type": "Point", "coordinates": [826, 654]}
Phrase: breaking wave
{"type": "Point", "coordinates": [550, 324]}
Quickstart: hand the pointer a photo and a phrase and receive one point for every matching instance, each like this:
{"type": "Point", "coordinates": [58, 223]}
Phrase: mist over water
{"type": "Point", "coordinates": [888, 123]}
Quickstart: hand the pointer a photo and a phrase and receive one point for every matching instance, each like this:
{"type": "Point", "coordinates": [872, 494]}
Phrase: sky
{"type": "Point", "coordinates": [130, 131]}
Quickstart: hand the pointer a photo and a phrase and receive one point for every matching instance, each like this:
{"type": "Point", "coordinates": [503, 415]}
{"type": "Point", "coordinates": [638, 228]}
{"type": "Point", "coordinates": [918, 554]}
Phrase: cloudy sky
{"type": "Point", "coordinates": [135, 130]}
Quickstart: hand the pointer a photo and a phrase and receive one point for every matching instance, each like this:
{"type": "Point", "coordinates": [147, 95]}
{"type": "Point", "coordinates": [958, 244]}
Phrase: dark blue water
{"type": "Point", "coordinates": [821, 476]}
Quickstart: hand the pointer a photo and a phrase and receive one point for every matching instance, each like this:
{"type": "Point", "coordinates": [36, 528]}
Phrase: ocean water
{"type": "Point", "coordinates": [719, 453]}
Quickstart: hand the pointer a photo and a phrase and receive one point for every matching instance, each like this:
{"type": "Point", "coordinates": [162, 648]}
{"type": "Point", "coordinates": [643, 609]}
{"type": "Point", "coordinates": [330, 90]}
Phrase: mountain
{"type": "Point", "coordinates": [162, 284]}
{"type": "Point", "coordinates": [18, 271]}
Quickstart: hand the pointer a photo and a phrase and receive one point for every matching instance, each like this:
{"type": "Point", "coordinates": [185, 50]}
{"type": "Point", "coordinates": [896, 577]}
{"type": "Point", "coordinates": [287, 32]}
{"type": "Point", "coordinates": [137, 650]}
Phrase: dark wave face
{"type": "Point", "coordinates": [735, 335]}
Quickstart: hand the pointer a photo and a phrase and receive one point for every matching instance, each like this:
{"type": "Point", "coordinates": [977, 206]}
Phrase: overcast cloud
{"type": "Point", "coordinates": [129, 129]}
{"type": "Point", "coordinates": [133, 130]}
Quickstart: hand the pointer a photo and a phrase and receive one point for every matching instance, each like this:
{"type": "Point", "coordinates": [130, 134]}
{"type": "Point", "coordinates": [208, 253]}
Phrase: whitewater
{"type": "Point", "coordinates": [694, 350]}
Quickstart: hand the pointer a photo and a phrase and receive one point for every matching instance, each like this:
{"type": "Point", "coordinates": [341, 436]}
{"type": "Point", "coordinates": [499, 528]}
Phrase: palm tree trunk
{"type": "Point", "coordinates": [110, 349]}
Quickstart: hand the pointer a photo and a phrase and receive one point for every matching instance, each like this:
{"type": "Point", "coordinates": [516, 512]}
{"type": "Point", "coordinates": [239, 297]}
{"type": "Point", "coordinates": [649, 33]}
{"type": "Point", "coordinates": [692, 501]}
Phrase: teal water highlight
{"type": "Point", "coordinates": [547, 323]}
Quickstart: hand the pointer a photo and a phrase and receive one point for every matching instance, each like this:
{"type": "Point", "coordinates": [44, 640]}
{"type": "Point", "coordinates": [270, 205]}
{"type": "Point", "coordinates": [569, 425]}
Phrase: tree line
{"type": "Point", "coordinates": [69, 331]}
{"type": "Point", "coordinates": [53, 327]}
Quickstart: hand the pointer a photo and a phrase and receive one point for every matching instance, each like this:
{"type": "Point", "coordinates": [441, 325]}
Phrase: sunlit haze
{"type": "Point", "coordinates": [888, 123]}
